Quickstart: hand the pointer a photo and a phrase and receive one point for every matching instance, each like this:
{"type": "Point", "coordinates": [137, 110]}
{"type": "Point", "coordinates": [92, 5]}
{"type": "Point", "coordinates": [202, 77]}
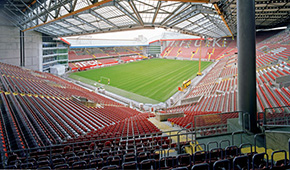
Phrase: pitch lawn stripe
{"type": "Point", "coordinates": [151, 77]}
{"type": "Point", "coordinates": [166, 94]}
{"type": "Point", "coordinates": [150, 82]}
{"type": "Point", "coordinates": [159, 72]}
{"type": "Point", "coordinates": [153, 80]}
{"type": "Point", "coordinates": [143, 77]}
{"type": "Point", "coordinates": [164, 74]}
{"type": "Point", "coordinates": [174, 85]}
{"type": "Point", "coordinates": [171, 80]}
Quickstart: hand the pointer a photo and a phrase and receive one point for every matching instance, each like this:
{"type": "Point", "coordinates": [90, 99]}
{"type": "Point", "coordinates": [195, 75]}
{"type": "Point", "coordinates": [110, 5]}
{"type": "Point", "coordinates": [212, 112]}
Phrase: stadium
{"type": "Point", "coordinates": [145, 84]}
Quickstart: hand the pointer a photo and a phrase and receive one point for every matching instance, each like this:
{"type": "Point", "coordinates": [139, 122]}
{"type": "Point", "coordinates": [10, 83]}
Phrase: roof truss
{"type": "Point", "coordinates": [197, 17]}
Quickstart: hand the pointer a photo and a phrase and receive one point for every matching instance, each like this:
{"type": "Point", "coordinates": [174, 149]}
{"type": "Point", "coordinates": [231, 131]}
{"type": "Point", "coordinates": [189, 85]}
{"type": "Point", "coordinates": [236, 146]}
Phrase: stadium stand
{"type": "Point", "coordinates": [47, 122]}
{"type": "Point", "coordinates": [217, 91]}
{"type": "Point", "coordinates": [78, 54]}
{"type": "Point", "coordinates": [84, 65]}
{"type": "Point", "coordinates": [190, 49]}
{"type": "Point", "coordinates": [27, 92]}
{"type": "Point", "coordinates": [37, 111]}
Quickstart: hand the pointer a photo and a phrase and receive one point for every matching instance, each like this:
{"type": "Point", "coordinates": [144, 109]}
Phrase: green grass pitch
{"type": "Point", "coordinates": [157, 79]}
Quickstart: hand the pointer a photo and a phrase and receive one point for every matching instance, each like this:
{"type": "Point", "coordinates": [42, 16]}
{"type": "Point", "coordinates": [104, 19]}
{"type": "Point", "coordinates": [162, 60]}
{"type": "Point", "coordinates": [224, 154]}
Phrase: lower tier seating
{"type": "Point", "coordinates": [147, 153]}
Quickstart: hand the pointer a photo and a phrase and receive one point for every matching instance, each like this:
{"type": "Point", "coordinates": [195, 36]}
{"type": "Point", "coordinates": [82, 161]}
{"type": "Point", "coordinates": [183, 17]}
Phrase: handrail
{"type": "Point", "coordinates": [255, 141]}
{"type": "Point", "coordinates": [222, 141]}
{"type": "Point", "coordinates": [185, 127]}
{"type": "Point", "coordinates": [272, 157]}
{"type": "Point", "coordinates": [277, 131]}
{"type": "Point", "coordinates": [214, 114]}
{"type": "Point", "coordinates": [288, 126]}
{"type": "Point", "coordinates": [212, 142]}
{"type": "Point", "coordinates": [168, 151]}
{"type": "Point", "coordinates": [274, 108]}
{"type": "Point", "coordinates": [236, 132]}
{"type": "Point", "coordinates": [246, 144]}
{"type": "Point", "coordinates": [218, 113]}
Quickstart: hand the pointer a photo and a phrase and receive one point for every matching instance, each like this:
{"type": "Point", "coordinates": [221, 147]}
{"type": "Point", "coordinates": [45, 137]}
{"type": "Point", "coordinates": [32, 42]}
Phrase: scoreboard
{"type": "Point", "coordinates": [154, 49]}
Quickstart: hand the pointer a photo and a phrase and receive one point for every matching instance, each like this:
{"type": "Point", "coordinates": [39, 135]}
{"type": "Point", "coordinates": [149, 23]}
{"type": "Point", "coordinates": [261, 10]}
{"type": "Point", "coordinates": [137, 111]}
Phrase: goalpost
{"type": "Point", "coordinates": [104, 78]}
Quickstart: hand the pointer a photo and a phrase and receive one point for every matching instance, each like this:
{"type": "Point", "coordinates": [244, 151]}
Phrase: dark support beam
{"type": "Point", "coordinates": [247, 98]}
{"type": "Point", "coordinates": [22, 49]}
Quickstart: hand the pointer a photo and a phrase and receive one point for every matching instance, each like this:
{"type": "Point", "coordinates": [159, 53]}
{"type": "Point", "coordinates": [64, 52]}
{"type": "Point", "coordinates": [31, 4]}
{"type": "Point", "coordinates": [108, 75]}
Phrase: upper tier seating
{"type": "Point", "coordinates": [79, 54]}
{"type": "Point", "coordinates": [190, 49]}
{"type": "Point", "coordinates": [83, 65]}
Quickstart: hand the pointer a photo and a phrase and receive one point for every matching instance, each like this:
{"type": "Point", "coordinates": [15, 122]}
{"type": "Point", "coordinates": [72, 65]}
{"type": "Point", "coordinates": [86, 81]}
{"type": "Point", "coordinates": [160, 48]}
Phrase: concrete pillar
{"type": "Point", "coordinates": [247, 62]}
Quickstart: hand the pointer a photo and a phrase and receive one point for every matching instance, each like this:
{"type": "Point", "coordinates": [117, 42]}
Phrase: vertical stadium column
{"type": "Point", "coordinates": [22, 49]}
{"type": "Point", "coordinates": [247, 62]}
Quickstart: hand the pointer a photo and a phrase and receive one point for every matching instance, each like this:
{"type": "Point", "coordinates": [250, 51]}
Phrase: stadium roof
{"type": "Point", "coordinates": [210, 18]}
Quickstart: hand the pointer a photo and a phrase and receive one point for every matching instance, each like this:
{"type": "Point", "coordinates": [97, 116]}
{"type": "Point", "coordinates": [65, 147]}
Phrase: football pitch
{"type": "Point", "coordinates": [157, 79]}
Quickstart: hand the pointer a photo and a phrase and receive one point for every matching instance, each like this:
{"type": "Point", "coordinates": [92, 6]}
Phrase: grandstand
{"type": "Point", "coordinates": [233, 116]}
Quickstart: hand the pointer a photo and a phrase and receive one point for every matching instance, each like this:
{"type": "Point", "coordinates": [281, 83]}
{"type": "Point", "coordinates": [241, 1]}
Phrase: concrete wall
{"type": "Point", "coordinates": [33, 50]}
{"type": "Point", "coordinates": [9, 42]}
{"type": "Point", "coordinates": [278, 141]}
{"type": "Point", "coordinates": [10, 45]}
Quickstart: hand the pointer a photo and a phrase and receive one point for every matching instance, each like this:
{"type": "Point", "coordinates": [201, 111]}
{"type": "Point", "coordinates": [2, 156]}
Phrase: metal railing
{"type": "Point", "coordinates": [48, 150]}
{"type": "Point", "coordinates": [213, 124]}
{"type": "Point", "coordinates": [274, 116]}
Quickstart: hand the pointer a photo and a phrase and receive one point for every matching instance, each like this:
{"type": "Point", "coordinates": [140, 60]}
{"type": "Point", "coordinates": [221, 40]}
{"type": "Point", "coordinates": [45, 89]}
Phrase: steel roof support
{"type": "Point", "coordinates": [156, 12]}
{"type": "Point", "coordinates": [57, 5]}
{"type": "Point", "coordinates": [194, 23]}
{"type": "Point", "coordinates": [12, 20]}
{"type": "Point", "coordinates": [216, 24]}
{"type": "Point", "coordinates": [102, 18]}
{"type": "Point", "coordinates": [72, 13]}
{"type": "Point", "coordinates": [184, 16]}
{"type": "Point", "coordinates": [196, 1]}
{"type": "Point", "coordinates": [121, 8]}
{"type": "Point", "coordinates": [61, 27]}
{"type": "Point", "coordinates": [48, 13]}
{"type": "Point", "coordinates": [35, 13]}
{"type": "Point", "coordinates": [177, 11]}
{"type": "Point", "coordinates": [77, 27]}
{"type": "Point", "coordinates": [19, 18]}
{"type": "Point", "coordinates": [85, 22]}
{"type": "Point", "coordinates": [189, 13]}
{"type": "Point", "coordinates": [55, 29]}
{"type": "Point", "coordinates": [222, 17]}
{"type": "Point", "coordinates": [46, 32]}
{"type": "Point", "coordinates": [132, 5]}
